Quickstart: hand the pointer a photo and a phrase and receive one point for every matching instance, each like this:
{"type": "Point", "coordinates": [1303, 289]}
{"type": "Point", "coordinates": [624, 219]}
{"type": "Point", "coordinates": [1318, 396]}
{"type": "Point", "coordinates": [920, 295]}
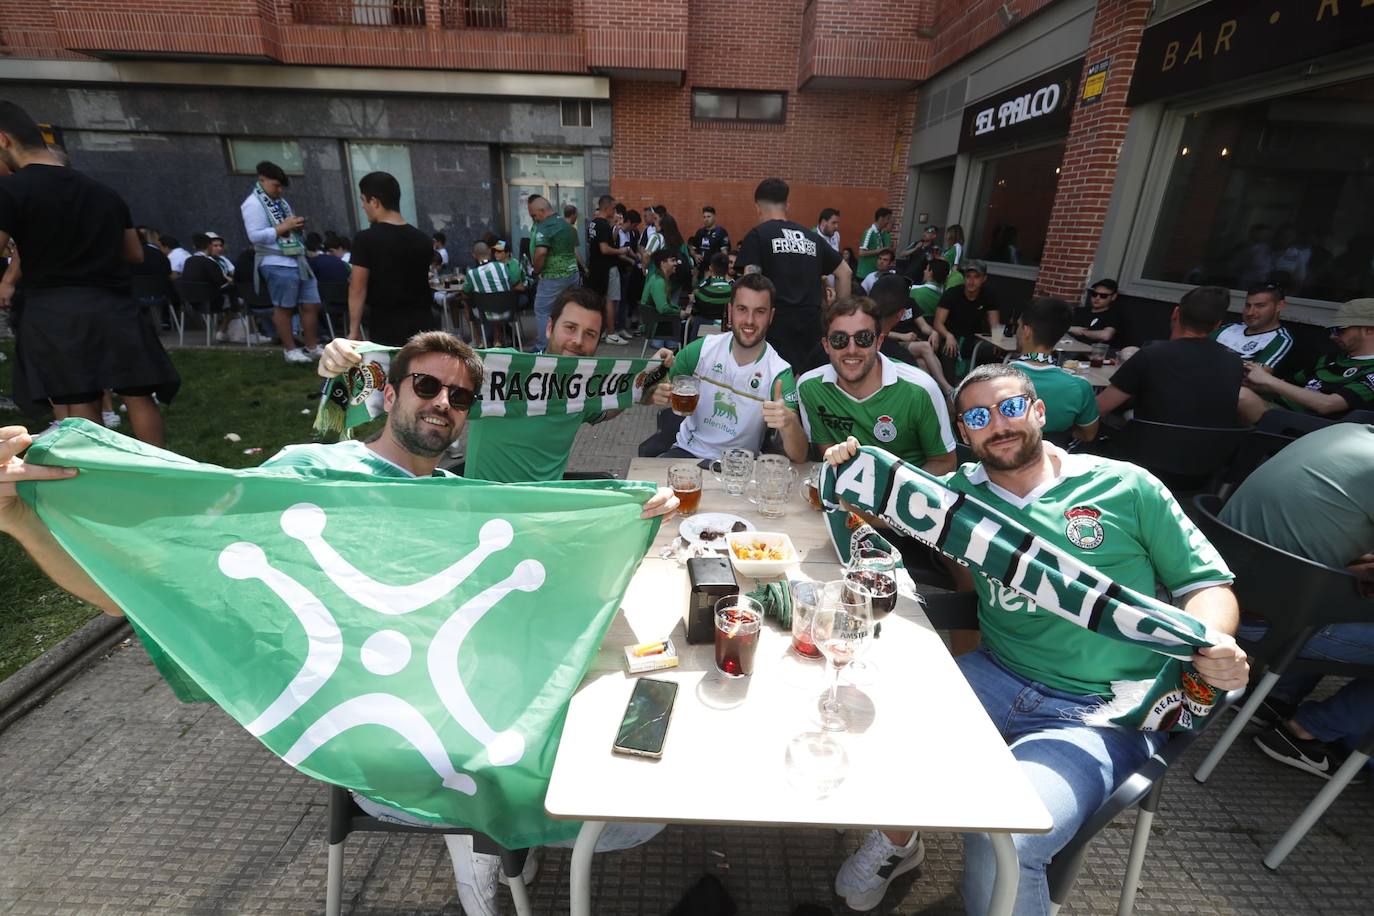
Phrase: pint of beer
{"type": "Point", "coordinates": [686, 391]}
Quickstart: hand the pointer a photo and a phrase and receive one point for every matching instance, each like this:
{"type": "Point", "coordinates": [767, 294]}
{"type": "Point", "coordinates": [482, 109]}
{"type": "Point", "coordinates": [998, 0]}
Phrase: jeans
{"type": "Point", "coordinates": [1342, 718]}
{"type": "Point", "coordinates": [544, 294]}
{"type": "Point", "coordinates": [1073, 767]}
{"type": "Point", "coordinates": [1340, 642]}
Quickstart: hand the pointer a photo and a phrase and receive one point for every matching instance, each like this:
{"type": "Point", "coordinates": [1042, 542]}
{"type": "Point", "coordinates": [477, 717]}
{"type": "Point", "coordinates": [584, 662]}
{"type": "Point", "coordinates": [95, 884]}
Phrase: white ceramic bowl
{"type": "Point", "coordinates": [762, 569]}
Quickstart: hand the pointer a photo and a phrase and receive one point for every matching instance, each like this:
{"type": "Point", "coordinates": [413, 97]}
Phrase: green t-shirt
{"type": "Point", "coordinates": [908, 416]}
{"type": "Point", "coordinates": [1069, 399]}
{"type": "Point", "coordinates": [656, 294]}
{"type": "Point", "coordinates": [560, 239]}
{"type": "Point", "coordinates": [926, 297]}
{"type": "Point", "coordinates": [349, 455]}
{"type": "Point", "coordinates": [1352, 377]}
{"type": "Point", "coordinates": [493, 277]}
{"type": "Point", "coordinates": [1121, 521]}
{"type": "Point", "coordinates": [874, 240]}
{"type": "Point", "coordinates": [714, 293]}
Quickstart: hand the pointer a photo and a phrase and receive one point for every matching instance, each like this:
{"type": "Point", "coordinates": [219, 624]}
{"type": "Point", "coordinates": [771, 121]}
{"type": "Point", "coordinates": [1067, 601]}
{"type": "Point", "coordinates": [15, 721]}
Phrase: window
{"type": "Point", "coordinates": [577, 113]}
{"type": "Point", "coordinates": [1015, 195]}
{"type": "Point", "coordinates": [246, 152]}
{"type": "Point", "coordinates": [484, 14]}
{"type": "Point", "coordinates": [1281, 185]}
{"type": "Point", "coordinates": [382, 157]}
{"type": "Point", "coordinates": [733, 105]}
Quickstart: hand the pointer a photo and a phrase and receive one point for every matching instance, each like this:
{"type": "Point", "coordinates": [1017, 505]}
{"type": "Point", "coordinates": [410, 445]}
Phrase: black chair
{"type": "Point", "coordinates": [206, 300]}
{"type": "Point", "coordinates": [652, 325]}
{"type": "Point", "coordinates": [959, 611]}
{"type": "Point", "coordinates": [334, 299]}
{"type": "Point", "coordinates": [346, 817]}
{"type": "Point", "coordinates": [258, 304]}
{"type": "Point", "coordinates": [1297, 597]}
{"type": "Point", "coordinates": [1358, 416]}
{"type": "Point", "coordinates": [1186, 458]}
{"type": "Point", "coordinates": [1290, 423]}
{"type": "Point", "coordinates": [498, 308]}
{"type": "Point", "coordinates": [156, 293]}
{"type": "Point", "coordinates": [665, 434]}
{"type": "Point", "coordinates": [1257, 448]}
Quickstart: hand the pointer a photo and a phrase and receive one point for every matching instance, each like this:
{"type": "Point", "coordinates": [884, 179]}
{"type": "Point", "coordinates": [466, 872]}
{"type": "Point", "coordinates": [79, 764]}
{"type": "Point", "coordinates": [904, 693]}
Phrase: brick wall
{"type": "Point", "coordinates": [1091, 152]}
{"type": "Point", "coordinates": [963, 26]}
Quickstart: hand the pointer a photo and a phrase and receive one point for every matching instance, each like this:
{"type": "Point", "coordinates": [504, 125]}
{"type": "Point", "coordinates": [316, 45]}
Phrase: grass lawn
{"type": "Point", "coordinates": [250, 392]}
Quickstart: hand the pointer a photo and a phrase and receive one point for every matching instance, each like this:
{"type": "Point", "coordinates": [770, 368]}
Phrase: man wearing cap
{"type": "Point", "coordinates": [279, 259]}
{"type": "Point", "coordinates": [1335, 385]}
{"type": "Point", "coordinates": [963, 310]}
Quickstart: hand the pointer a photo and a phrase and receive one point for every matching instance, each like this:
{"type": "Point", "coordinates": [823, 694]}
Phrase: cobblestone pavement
{"type": "Point", "coordinates": [115, 798]}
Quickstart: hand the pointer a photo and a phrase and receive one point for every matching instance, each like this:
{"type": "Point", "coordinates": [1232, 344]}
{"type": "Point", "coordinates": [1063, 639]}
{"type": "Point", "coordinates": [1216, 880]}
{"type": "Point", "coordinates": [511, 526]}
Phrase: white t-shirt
{"type": "Point", "coordinates": [730, 409]}
{"type": "Point", "coordinates": [177, 258]}
{"type": "Point", "coordinates": [833, 238]}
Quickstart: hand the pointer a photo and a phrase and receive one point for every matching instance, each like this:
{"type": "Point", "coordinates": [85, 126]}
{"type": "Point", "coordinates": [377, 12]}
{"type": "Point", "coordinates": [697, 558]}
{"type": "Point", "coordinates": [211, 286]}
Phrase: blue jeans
{"type": "Point", "coordinates": [1340, 642]}
{"type": "Point", "coordinates": [544, 294]}
{"type": "Point", "coordinates": [1342, 718]}
{"type": "Point", "coordinates": [1073, 767]}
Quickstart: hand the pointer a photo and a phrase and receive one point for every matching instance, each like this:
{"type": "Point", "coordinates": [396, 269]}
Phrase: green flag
{"type": "Point", "coordinates": [416, 640]}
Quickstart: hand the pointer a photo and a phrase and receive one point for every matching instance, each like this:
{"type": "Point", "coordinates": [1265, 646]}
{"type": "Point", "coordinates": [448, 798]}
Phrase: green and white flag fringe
{"type": "Point", "coordinates": [514, 385]}
{"type": "Point", "coordinates": [415, 640]}
{"type": "Point", "coordinates": [978, 536]}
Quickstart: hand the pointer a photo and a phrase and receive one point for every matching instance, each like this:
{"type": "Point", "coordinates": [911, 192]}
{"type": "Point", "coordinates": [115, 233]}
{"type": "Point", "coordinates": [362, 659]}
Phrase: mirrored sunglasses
{"type": "Point", "coordinates": [840, 339]}
{"type": "Point", "coordinates": [1013, 408]}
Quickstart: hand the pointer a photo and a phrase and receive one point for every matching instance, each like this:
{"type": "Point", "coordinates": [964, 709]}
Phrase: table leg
{"type": "Point", "coordinates": [581, 868]}
{"type": "Point", "coordinates": [1008, 875]}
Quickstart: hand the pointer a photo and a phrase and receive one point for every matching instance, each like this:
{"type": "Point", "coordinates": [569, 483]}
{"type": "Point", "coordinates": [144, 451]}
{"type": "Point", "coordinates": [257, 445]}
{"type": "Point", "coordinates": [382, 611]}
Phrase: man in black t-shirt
{"type": "Point", "coordinates": [81, 331]}
{"type": "Point", "coordinates": [708, 240]}
{"type": "Point", "coordinates": [964, 311]}
{"type": "Point", "coordinates": [1190, 379]}
{"type": "Point", "coordinates": [1097, 321]}
{"type": "Point", "coordinates": [602, 253]}
{"type": "Point", "coordinates": [389, 269]}
{"type": "Point", "coordinates": [796, 259]}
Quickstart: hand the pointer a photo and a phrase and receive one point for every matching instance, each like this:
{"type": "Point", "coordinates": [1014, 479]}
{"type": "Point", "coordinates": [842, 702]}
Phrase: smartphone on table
{"type": "Point", "coordinates": [645, 725]}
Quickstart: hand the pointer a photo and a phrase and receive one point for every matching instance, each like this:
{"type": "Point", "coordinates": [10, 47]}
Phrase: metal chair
{"type": "Point", "coordinates": [498, 308]}
{"type": "Point", "coordinates": [1144, 787]}
{"type": "Point", "coordinates": [333, 297]}
{"type": "Point", "coordinates": [1186, 458]}
{"type": "Point", "coordinates": [1297, 597]}
{"type": "Point", "coordinates": [156, 293]}
{"type": "Point", "coordinates": [652, 324]}
{"type": "Point", "coordinates": [346, 817]}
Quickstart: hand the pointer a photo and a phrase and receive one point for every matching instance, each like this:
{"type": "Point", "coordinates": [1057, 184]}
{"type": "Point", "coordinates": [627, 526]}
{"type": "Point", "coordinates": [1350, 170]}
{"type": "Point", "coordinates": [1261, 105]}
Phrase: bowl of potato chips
{"type": "Point", "coordinates": [761, 554]}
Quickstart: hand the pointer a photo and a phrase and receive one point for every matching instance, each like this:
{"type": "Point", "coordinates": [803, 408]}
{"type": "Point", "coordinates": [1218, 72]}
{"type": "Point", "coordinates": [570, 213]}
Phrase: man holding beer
{"type": "Point", "coordinates": [732, 388]}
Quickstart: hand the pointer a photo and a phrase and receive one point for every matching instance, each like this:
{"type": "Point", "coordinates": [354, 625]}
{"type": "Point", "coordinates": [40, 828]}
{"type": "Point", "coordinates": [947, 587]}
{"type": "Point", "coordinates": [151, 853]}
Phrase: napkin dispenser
{"type": "Point", "coordinates": [709, 579]}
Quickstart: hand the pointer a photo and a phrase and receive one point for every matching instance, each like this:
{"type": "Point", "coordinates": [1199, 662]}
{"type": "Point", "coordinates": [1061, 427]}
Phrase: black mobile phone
{"type": "Point", "coordinates": [645, 725]}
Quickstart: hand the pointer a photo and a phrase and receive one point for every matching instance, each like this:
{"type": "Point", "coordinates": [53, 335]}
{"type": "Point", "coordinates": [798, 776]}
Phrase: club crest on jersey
{"type": "Point", "coordinates": [1084, 530]}
{"type": "Point", "coordinates": [1251, 346]}
{"type": "Point", "coordinates": [885, 430]}
{"type": "Point", "coordinates": [1350, 372]}
{"type": "Point", "coordinates": [756, 381]}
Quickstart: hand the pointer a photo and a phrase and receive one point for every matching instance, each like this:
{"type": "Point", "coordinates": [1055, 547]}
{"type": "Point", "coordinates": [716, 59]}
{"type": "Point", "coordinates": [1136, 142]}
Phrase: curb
{"type": "Point", "coordinates": [40, 678]}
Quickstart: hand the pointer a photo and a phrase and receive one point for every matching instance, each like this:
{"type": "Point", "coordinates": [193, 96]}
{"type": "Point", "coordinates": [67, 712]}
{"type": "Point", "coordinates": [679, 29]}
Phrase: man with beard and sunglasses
{"type": "Point", "coordinates": [1036, 674]}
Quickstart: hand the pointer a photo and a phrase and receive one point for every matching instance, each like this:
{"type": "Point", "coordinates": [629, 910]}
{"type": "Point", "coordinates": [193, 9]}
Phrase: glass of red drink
{"type": "Point", "coordinates": [806, 598]}
{"type": "Point", "coordinates": [738, 619]}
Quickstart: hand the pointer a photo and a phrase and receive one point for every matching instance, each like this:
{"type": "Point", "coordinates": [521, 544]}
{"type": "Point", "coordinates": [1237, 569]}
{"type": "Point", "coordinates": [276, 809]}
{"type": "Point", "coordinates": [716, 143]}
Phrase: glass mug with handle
{"type": "Point", "coordinates": [772, 486]}
{"type": "Point", "coordinates": [734, 469]}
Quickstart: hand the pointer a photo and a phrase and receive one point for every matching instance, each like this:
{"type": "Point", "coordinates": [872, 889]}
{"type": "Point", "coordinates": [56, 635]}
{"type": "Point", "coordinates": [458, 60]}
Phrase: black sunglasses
{"type": "Point", "coordinates": [840, 339]}
{"type": "Point", "coordinates": [1337, 332]}
{"type": "Point", "coordinates": [1096, 295]}
{"type": "Point", "coordinates": [428, 387]}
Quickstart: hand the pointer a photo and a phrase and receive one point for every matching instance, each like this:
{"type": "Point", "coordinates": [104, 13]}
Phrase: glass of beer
{"type": "Point", "coordinates": [1099, 353]}
{"type": "Point", "coordinates": [738, 618]}
{"type": "Point", "coordinates": [686, 391]}
{"type": "Point", "coordinates": [685, 479]}
{"type": "Point", "coordinates": [812, 488]}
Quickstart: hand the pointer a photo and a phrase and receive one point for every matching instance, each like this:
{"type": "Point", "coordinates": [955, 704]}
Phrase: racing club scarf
{"type": "Point", "coordinates": [974, 534]}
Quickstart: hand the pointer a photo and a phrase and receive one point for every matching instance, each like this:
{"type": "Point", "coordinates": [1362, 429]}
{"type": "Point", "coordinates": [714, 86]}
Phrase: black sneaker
{"type": "Point", "coordinates": [1272, 713]}
{"type": "Point", "coordinates": [1315, 757]}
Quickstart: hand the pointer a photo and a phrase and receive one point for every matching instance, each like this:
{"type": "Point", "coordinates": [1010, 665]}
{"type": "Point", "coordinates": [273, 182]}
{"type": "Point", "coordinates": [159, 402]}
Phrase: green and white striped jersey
{"type": "Point", "coordinates": [1268, 348]}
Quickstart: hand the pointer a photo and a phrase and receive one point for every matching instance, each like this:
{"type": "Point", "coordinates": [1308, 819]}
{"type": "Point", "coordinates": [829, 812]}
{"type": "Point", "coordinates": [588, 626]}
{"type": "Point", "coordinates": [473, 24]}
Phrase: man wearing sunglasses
{"type": "Point", "coordinates": [1097, 321]}
{"type": "Point", "coordinates": [1036, 674]}
{"type": "Point", "coordinates": [1332, 387]}
{"type": "Point", "coordinates": [878, 401]}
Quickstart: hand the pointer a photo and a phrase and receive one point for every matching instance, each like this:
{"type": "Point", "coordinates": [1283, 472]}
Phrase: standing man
{"type": "Point", "coordinates": [553, 244]}
{"type": "Point", "coordinates": [963, 310]}
{"type": "Point", "coordinates": [390, 268]}
{"type": "Point", "coordinates": [796, 259]}
{"type": "Point", "coordinates": [925, 250]}
{"type": "Point", "coordinates": [708, 240]}
{"type": "Point", "coordinates": [279, 249]}
{"type": "Point", "coordinates": [864, 395]}
{"type": "Point", "coordinates": [80, 333]}
{"type": "Point", "coordinates": [1097, 321]}
{"type": "Point", "coordinates": [1037, 673]}
{"type": "Point", "coordinates": [828, 226]}
{"type": "Point", "coordinates": [876, 238]}
{"type": "Point", "coordinates": [1259, 337]}
{"type": "Point", "coordinates": [746, 388]}
{"type": "Point", "coordinates": [603, 257]}
{"type": "Point", "coordinates": [1332, 387]}
{"type": "Point", "coordinates": [1070, 406]}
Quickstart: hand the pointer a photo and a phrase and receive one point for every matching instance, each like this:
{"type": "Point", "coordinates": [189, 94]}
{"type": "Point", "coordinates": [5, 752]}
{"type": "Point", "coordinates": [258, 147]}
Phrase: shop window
{"type": "Point", "coordinates": [383, 157]}
{"type": "Point", "coordinates": [246, 152]}
{"type": "Point", "coordinates": [726, 105]}
{"type": "Point", "coordinates": [1278, 189]}
{"type": "Point", "coordinates": [1015, 195]}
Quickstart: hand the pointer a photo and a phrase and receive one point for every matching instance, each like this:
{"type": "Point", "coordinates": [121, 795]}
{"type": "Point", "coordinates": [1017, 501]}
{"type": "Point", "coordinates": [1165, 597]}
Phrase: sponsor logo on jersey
{"type": "Point", "coordinates": [1350, 372]}
{"type": "Point", "coordinates": [1084, 530]}
{"type": "Point", "coordinates": [836, 422]}
{"type": "Point", "coordinates": [885, 430]}
{"type": "Point", "coordinates": [1251, 346]}
{"type": "Point", "coordinates": [1369, 380]}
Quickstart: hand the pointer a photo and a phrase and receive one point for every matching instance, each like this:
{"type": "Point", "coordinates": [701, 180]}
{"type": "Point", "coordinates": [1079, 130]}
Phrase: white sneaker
{"type": "Point", "coordinates": [299, 356]}
{"type": "Point", "coordinates": [221, 337]}
{"type": "Point", "coordinates": [314, 352]}
{"type": "Point", "coordinates": [478, 874]}
{"type": "Point", "coordinates": [110, 419]}
{"type": "Point", "coordinates": [863, 878]}
{"type": "Point", "coordinates": [616, 340]}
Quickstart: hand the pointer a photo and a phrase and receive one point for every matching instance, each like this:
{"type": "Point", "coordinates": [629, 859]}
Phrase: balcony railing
{"type": "Point", "coordinates": [500, 15]}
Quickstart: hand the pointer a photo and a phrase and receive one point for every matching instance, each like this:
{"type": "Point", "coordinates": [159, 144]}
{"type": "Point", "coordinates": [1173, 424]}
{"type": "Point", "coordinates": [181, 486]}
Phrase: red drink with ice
{"type": "Point", "coordinates": [738, 619]}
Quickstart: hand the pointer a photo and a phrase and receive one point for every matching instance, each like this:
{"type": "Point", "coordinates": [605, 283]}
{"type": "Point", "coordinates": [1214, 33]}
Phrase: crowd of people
{"type": "Point", "coordinates": [816, 354]}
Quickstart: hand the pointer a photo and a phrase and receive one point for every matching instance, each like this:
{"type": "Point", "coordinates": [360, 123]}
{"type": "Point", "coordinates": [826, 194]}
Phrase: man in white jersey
{"type": "Point", "coordinates": [746, 387]}
{"type": "Point", "coordinates": [1258, 337]}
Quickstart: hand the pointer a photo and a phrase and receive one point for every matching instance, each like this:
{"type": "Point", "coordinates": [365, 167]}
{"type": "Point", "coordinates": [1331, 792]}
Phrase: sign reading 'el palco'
{"type": "Point", "coordinates": [1033, 110]}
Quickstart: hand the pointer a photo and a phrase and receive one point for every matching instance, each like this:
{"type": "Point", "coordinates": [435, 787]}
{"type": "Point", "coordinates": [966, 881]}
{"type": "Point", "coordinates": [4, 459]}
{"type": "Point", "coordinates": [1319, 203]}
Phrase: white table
{"type": "Point", "coordinates": [923, 721]}
{"type": "Point", "coordinates": [1010, 344]}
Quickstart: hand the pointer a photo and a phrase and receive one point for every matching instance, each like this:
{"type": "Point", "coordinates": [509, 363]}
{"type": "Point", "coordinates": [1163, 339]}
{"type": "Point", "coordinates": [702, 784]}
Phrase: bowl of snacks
{"type": "Point", "coordinates": [761, 554]}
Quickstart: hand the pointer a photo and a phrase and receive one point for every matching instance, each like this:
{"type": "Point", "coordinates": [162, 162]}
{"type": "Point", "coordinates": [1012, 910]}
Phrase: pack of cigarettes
{"type": "Point", "coordinates": [651, 656]}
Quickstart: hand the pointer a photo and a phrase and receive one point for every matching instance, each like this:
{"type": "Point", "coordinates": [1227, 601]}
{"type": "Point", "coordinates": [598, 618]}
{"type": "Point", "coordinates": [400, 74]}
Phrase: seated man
{"type": "Point", "coordinates": [1036, 674]}
{"type": "Point", "coordinates": [746, 387]}
{"type": "Point", "coordinates": [891, 296]}
{"type": "Point", "coordinates": [493, 274]}
{"type": "Point", "coordinates": [1315, 499]}
{"type": "Point", "coordinates": [885, 262]}
{"type": "Point", "coordinates": [1097, 321]}
{"type": "Point", "coordinates": [927, 295]}
{"type": "Point", "coordinates": [965, 310]}
{"type": "Point", "coordinates": [1336, 384]}
{"type": "Point", "coordinates": [657, 299]}
{"type": "Point", "coordinates": [439, 375]}
{"type": "Point", "coordinates": [712, 297]}
{"type": "Point", "coordinates": [1190, 379]}
{"type": "Point", "coordinates": [1070, 406]}
{"type": "Point", "coordinates": [1258, 337]}
{"type": "Point", "coordinates": [863, 394]}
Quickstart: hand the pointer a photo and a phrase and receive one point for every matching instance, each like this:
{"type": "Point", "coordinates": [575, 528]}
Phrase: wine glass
{"type": "Point", "coordinates": [840, 630]}
{"type": "Point", "coordinates": [876, 570]}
